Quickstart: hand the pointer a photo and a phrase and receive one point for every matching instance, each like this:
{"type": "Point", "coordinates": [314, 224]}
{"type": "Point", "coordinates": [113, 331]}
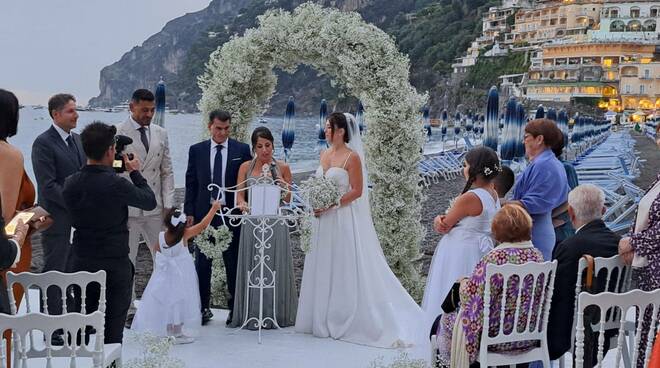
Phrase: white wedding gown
{"type": "Point", "coordinates": [348, 291]}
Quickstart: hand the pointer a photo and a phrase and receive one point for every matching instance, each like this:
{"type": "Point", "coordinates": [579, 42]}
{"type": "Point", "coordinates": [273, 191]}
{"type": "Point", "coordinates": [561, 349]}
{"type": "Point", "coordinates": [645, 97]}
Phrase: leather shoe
{"type": "Point", "coordinates": [229, 318]}
{"type": "Point", "coordinates": [207, 315]}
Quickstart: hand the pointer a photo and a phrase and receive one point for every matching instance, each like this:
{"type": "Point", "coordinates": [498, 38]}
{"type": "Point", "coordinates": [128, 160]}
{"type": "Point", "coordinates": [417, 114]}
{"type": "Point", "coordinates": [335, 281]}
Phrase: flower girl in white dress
{"type": "Point", "coordinates": [465, 228]}
{"type": "Point", "coordinates": [170, 303]}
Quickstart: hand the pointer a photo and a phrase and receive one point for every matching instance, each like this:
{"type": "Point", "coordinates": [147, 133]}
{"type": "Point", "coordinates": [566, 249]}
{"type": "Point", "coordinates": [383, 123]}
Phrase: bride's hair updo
{"type": "Point", "coordinates": [483, 163]}
{"type": "Point", "coordinates": [338, 120]}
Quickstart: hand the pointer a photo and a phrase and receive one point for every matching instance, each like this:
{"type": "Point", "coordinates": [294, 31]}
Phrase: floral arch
{"type": "Point", "coordinates": [364, 61]}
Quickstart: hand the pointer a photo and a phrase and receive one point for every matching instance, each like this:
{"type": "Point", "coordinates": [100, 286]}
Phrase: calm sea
{"type": "Point", "coordinates": [183, 131]}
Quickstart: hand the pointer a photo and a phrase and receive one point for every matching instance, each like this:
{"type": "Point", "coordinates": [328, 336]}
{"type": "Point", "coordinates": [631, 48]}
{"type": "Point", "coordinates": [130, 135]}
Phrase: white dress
{"type": "Point", "coordinates": [458, 253]}
{"type": "Point", "coordinates": [348, 291]}
{"type": "Point", "coordinates": [172, 294]}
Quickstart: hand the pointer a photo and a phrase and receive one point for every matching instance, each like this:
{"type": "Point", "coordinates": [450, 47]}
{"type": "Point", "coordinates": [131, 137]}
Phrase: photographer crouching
{"type": "Point", "coordinates": [97, 200]}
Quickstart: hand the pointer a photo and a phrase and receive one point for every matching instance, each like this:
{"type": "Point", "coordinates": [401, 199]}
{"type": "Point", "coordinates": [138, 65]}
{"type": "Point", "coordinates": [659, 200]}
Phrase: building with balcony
{"type": "Point", "coordinates": [551, 20]}
{"type": "Point", "coordinates": [640, 86]}
{"type": "Point", "coordinates": [628, 20]}
{"type": "Point", "coordinates": [566, 71]}
{"type": "Point", "coordinates": [499, 20]}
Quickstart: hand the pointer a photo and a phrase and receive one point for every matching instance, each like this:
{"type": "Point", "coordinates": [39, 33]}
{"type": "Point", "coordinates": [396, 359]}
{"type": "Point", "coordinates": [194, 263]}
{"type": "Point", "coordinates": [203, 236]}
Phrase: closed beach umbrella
{"type": "Point", "coordinates": [427, 120]}
{"type": "Point", "coordinates": [552, 114]}
{"type": "Point", "coordinates": [159, 117]}
{"type": "Point", "coordinates": [508, 149]}
{"type": "Point", "coordinates": [521, 121]}
{"type": "Point", "coordinates": [492, 115]}
{"type": "Point", "coordinates": [359, 117]}
{"type": "Point", "coordinates": [540, 112]}
{"type": "Point", "coordinates": [288, 128]}
{"type": "Point", "coordinates": [562, 121]}
{"type": "Point", "coordinates": [323, 114]}
{"type": "Point", "coordinates": [469, 121]}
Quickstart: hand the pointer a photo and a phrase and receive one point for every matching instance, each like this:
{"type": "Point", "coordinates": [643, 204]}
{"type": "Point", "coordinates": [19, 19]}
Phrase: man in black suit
{"type": "Point", "coordinates": [56, 154]}
{"type": "Point", "coordinates": [10, 254]}
{"type": "Point", "coordinates": [216, 160]}
{"type": "Point", "coordinates": [97, 200]}
{"type": "Point", "coordinates": [586, 205]}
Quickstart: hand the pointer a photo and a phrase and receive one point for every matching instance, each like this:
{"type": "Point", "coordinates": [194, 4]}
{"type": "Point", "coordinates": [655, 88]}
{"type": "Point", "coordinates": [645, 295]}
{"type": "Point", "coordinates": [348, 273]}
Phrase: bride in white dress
{"type": "Point", "coordinates": [466, 229]}
{"type": "Point", "coordinates": [348, 291]}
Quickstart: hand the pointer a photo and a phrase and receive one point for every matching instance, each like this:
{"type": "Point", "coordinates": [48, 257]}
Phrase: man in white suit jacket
{"type": "Point", "coordinates": [150, 145]}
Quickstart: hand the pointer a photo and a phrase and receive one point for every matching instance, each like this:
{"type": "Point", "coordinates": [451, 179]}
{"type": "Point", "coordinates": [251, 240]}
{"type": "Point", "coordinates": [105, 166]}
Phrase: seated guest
{"type": "Point", "coordinates": [586, 204]}
{"type": "Point", "coordinates": [504, 181]}
{"type": "Point", "coordinates": [512, 228]}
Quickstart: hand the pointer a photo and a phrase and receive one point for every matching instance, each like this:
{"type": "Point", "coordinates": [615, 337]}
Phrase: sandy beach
{"type": "Point", "coordinates": [437, 199]}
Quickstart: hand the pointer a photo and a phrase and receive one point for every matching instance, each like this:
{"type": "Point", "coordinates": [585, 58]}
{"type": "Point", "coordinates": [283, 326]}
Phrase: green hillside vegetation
{"type": "Point", "coordinates": [485, 73]}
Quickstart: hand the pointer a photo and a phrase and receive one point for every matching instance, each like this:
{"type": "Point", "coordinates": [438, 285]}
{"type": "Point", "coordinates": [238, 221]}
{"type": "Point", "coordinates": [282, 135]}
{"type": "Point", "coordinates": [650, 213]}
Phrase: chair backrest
{"type": "Point", "coordinates": [55, 279]}
{"type": "Point", "coordinates": [612, 275]}
{"type": "Point", "coordinates": [540, 278]}
{"type": "Point", "coordinates": [73, 325]}
{"type": "Point", "coordinates": [646, 306]}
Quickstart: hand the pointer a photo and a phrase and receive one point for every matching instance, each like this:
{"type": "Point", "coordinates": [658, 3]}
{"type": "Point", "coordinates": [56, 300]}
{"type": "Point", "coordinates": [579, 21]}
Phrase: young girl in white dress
{"type": "Point", "coordinates": [465, 228]}
{"type": "Point", "coordinates": [170, 303]}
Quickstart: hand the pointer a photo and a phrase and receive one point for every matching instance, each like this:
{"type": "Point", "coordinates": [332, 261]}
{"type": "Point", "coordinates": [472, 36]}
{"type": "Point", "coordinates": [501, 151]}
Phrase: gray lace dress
{"type": "Point", "coordinates": [279, 259]}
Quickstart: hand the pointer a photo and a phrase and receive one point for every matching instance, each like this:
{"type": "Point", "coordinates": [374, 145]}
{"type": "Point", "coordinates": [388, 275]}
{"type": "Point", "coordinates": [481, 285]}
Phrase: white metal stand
{"type": "Point", "coordinates": [260, 276]}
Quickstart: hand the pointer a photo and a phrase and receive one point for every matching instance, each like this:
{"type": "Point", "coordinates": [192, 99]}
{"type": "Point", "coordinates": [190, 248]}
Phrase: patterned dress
{"type": "Point", "coordinates": [472, 303]}
{"type": "Point", "coordinates": [646, 243]}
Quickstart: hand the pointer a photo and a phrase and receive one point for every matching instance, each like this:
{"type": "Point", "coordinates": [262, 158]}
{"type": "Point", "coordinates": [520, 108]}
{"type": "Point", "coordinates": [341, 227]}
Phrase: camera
{"type": "Point", "coordinates": [121, 141]}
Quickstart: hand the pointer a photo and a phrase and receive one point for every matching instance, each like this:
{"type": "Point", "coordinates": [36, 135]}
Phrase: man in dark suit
{"type": "Point", "coordinates": [97, 200]}
{"type": "Point", "coordinates": [586, 205]}
{"type": "Point", "coordinates": [10, 254]}
{"type": "Point", "coordinates": [216, 160]}
{"type": "Point", "coordinates": [56, 154]}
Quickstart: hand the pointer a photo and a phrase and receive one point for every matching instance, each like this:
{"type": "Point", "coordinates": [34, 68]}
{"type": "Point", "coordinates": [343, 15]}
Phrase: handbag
{"type": "Point", "coordinates": [451, 302]}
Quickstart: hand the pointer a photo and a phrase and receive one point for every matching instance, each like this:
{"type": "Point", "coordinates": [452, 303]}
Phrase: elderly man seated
{"type": "Point", "coordinates": [586, 205]}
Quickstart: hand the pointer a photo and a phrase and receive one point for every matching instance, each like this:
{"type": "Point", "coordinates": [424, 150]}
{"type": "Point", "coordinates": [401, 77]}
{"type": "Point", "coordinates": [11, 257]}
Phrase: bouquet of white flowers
{"type": "Point", "coordinates": [320, 192]}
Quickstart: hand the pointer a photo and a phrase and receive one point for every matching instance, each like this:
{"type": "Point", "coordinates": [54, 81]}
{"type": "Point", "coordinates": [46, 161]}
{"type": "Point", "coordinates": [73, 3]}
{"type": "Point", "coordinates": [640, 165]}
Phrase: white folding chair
{"type": "Point", "coordinates": [617, 278]}
{"type": "Point", "coordinates": [73, 324]}
{"type": "Point", "coordinates": [613, 303]}
{"type": "Point", "coordinates": [55, 279]}
{"type": "Point", "coordinates": [532, 328]}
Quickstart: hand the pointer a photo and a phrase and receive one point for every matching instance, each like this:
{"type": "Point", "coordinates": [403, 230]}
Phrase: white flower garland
{"type": "Point", "coordinates": [363, 60]}
{"type": "Point", "coordinates": [155, 352]}
{"type": "Point", "coordinates": [212, 242]}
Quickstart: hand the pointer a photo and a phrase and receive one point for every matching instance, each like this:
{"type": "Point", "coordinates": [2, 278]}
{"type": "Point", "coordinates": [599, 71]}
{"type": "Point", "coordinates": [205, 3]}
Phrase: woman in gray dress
{"type": "Point", "coordinates": [278, 255]}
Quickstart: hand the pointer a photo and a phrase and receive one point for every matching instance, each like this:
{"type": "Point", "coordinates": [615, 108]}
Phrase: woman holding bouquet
{"type": "Point", "coordinates": [348, 291]}
{"type": "Point", "coordinates": [279, 254]}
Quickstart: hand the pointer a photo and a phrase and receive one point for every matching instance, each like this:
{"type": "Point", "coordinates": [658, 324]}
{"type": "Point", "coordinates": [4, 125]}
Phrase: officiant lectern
{"type": "Point", "coordinates": [265, 211]}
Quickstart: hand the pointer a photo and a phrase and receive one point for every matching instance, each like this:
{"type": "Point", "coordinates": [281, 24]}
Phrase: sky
{"type": "Point", "coordinates": [53, 46]}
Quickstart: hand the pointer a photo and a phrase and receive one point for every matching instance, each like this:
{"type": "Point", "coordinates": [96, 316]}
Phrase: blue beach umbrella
{"type": "Point", "coordinates": [288, 128]}
{"type": "Point", "coordinates": [540, 112]}
{"type": "Point", "coordinates": [492, 115]}
{"type": "Point", "coordinates": [457, 126]}
{"type": "Point", "coordinates": [427, 120]}
{"type": "Point", "coordinates": [359, 117]}
{"type": "Point", "coordinates": [508, 149]}
{"type": "Point", "coordinates": [562, 122]}
{"type": "Point", "coordinates": [521, 121]}
{"type": "Point", "coordinates": [469, 121]}
{"type": "Point", "coordinates": [552, 114]}
{"type": "Point", "coordinates": [323, 114]}
{"type": "Point", "coordinates": [159, 117]}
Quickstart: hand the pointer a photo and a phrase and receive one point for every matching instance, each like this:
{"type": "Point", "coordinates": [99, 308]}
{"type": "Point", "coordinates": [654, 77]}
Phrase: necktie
{"type": "Point", "coordinates": [144, 139]}
{"type": "Point", "coordinates": [217, 168]}
{"type": "Point", "coordinates": [73, 148]}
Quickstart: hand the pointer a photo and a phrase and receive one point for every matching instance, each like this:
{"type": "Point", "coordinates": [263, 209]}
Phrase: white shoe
{"type": "Point", "coordinates": [183, 339]}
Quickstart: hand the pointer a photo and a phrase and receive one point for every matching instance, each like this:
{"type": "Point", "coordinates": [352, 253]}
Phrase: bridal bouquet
{"type": "Point", "coordinates": [320, 192]}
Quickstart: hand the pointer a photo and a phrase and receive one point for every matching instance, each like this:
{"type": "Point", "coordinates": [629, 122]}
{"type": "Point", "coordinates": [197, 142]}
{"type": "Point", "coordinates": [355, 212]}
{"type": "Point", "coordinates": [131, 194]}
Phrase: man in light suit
{"type": "Point", "coordinates": [150, 145]}
{"type": "Point", "coordinates": [56, 154]}
{"type": "Point", "coordinates": [217, 161]}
